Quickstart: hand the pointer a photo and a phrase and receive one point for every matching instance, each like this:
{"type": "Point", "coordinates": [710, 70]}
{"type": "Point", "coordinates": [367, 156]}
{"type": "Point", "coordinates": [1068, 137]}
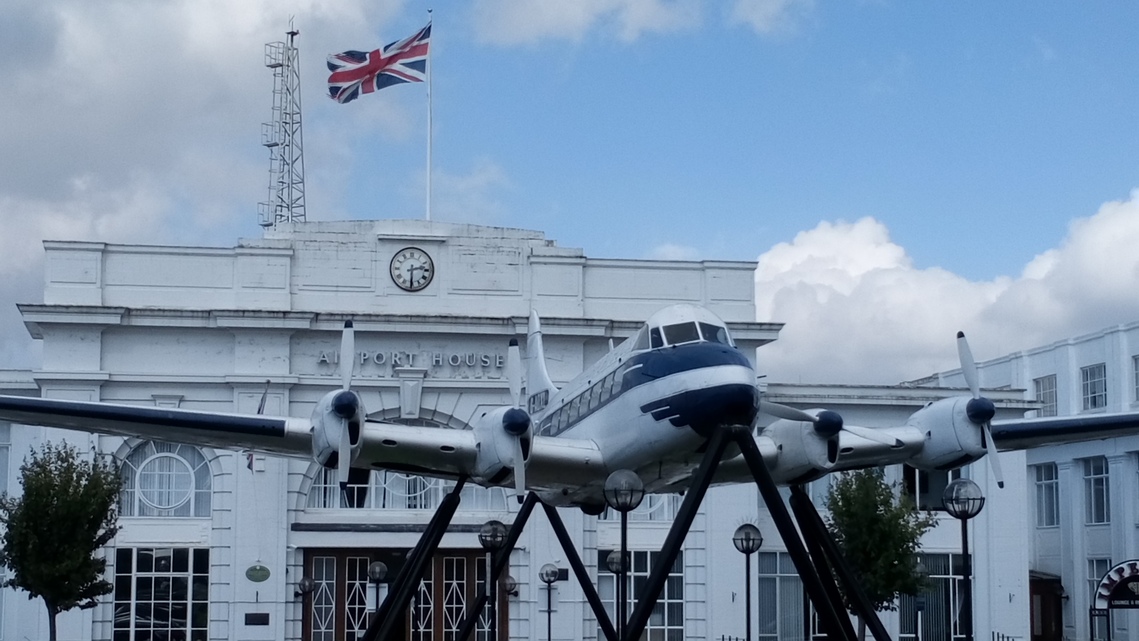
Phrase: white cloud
{"type": "Point", "coordinates": [767, 17]}
{"type": "Point", "coordinates": [473, 197]}
{"type": "Point", "coordinates": [857, 311]}
{"type": "Point", "coordinates": [513, 22]}
{"type": "Point", "coordinates": [140, 121]}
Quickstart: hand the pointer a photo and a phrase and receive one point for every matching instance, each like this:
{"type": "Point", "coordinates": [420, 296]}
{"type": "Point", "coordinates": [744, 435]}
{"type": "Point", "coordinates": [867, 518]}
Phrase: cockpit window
{"type": "Point", "coordinates": [681, 333]}
{"type": "Point", "coordinates": [641, 340]}
{"type": "Point", "coordinates": [655, 340]}
{"type": "Point", "coordinates": [715, 333]}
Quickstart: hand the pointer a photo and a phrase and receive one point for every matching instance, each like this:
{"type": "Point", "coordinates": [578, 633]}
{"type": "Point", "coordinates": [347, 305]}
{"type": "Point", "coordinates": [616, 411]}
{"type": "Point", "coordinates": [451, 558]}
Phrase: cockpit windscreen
{"type": "Point", "coordinates": [715, 333]}
{"type": "Point", "coordinates": [681, 333]}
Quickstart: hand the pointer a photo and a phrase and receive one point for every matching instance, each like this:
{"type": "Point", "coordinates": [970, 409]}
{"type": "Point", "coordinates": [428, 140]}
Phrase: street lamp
{"type": "Point", "coordinates": [377, 571]}
{"type": "Point", "coordinates": [963, 500]}
{"type": "Point", "coordinates": [511, 585]}
{"type": "Point", "coordinates": [624, 491]}
{"type": "Point", "coordinates": [492, 536]}
{"type": "Point", "coordinates": [548, 574]}
{"type": "Point", "coordinates": [747, 540]}
{"type": "Point", "coordinates": [305, 587]}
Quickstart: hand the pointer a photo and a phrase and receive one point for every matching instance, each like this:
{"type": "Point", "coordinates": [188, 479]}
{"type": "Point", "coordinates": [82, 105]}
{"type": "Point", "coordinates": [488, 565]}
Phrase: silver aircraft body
{"type": "Point", "coordinates": [648, 405]}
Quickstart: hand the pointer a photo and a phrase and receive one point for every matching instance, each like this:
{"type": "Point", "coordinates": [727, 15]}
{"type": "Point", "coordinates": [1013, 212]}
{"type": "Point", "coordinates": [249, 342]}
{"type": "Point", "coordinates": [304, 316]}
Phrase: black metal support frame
{"type": "Point", "coordinates": [501, 559]}
{"type": "Point", "coordinates": [407, 581]}
{"type": "Point", "coordinates": [816, 567]}
{"type": "Point", "coordinates": [810, 521]}
{"type": "Point", "coordinates": [581, 572]}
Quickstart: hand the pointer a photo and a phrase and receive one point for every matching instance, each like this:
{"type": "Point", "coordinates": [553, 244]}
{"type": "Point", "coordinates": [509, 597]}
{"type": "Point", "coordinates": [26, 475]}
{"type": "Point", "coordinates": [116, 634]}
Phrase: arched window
{"type": "Point", "coordinates": [164, 479]}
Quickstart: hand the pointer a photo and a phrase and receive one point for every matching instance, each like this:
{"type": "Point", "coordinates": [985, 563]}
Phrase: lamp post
{"type": "Point", "coordinates": [616, 562]}
{"type": "Point", "coordinates": [747, 540]}
{"type": "Point", "coordinates": [624, 491]}
{"type": "Point", "coordinates": [492, 536]}
{"type": "Point", "coordinates": [919, 599]}
{"type": "Point", "coordinates": [548, 574]}
{"type": "Point", "coordinates": [377, 571]}
{"type": "Point", "coordinates": [963, 500]}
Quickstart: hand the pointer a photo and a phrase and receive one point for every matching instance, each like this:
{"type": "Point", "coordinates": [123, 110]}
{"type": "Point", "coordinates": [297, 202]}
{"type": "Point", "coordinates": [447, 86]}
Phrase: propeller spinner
{"type": "Point", "coordinates": [979, 410]}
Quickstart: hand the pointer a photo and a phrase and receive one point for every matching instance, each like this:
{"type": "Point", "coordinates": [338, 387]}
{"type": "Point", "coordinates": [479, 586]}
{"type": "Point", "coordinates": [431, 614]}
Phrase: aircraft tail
{"type": "Point", "coordinates": [539, 387]}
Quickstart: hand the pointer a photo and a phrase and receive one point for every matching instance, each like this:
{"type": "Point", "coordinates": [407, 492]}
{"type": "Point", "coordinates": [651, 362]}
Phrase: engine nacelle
{"type": "Point", "coordinates": [951, 439]}
{"type": "Point", "coordinates": [803, 454]}
{"type": "Point", "coordinates": [336, 413]}
{"type": "Point", "coordinates": [496, 446]}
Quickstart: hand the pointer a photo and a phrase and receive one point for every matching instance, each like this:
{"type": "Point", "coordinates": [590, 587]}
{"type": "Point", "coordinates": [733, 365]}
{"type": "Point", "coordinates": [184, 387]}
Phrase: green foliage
{"type": "Point", "coordinates": [878, 532]}
{"type": "Point", "coordinates": [68, 511]}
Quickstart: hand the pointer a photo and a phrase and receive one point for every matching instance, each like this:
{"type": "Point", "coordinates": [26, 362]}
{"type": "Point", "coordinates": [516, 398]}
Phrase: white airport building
{"type": "Point", "coordinates": [214, 544]}
{"type": "Point", "coordinates": [1083, 500]}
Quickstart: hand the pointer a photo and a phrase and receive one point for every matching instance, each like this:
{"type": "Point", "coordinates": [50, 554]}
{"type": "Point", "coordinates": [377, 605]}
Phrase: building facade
{"type": "Point", "coordinates": [1083, 504]}
{"type": "Point", "coordinates": [218, 544]}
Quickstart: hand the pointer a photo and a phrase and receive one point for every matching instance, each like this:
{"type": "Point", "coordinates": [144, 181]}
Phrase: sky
{"type": "Point", "coordinates": [899, 170]}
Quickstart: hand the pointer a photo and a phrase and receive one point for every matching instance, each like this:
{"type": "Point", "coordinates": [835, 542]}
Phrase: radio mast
{"type": "Point", "coordinates": [282, 136]}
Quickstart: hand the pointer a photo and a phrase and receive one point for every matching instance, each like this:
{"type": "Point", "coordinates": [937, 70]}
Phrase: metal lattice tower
{"type": "Point", "coordinates": [283, 137]}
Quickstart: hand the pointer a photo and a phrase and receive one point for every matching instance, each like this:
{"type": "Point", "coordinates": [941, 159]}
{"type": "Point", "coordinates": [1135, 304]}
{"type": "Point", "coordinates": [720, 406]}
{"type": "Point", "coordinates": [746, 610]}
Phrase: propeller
{"type": "Point", "coordinates": [516, 421]}
{"type": "Point", "coordinates": [980, 410]}
{"type": "Point", "coordinates": [827, 423]}
{"type": "Point", "coordinates": [346, 404]}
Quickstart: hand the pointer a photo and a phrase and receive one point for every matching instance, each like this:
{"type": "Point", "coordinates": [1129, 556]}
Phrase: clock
{"type": "Point", "coordinates": [412, 269]}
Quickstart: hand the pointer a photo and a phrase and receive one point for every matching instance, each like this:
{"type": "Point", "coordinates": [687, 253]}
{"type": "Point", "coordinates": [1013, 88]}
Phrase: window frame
{"type": "Point", "coordinates": [199, 503]}
{"type": "Point", "coordinates": [1135, 378]}
{"type": "Point", "coordinates": [1045, 393]}
{"type": "Point", "coordinates": [129, 577]}
{"type": "Point", "coordinates": [1047, 495]}
{"type": "Point", "coordinates": [1097, 491]}
{"type": "Point", "coordinates": [1099, 632]}
{"type": "Point", "coordinates": [1093, 387]}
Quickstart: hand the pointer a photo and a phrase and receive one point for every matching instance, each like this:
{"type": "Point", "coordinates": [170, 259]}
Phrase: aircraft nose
{"type": "Point", "coordinates": [708, 408]}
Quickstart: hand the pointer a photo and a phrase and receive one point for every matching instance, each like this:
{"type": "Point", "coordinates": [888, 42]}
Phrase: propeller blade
{"type": "Point", "coordinates": [347, 354]}
{"type": "Point", "coordinates": [513, 372]}
{"type": "Point", "coordinates": [519, 465]}
{"type": "Point", "coordinates": [873, 435]}
{"type": "Point", "coordinates": [344, 459]}
{"type": "Point", "coordinates": [994, 460]}
{"type": "Point", "coordinates": [968, 365]}
{"type": "Point", "coordinates": [785, 412]}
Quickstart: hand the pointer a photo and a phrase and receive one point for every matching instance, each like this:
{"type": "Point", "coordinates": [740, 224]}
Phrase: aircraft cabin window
{"type": "Point", "coordinates": [595, 398]}
{"type": "Point", "coordinates": [575, 406]}
{"type": "Point", "coordinates": [655, 340]}
{"type": "Point", "coordinates": [715, 333]}
{"type": "Point", "coordinates": [681, 333]}
{"type": "Point", "coordinates": [607, 387]}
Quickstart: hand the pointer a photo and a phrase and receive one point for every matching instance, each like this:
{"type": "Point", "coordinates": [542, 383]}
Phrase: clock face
{"type": "Point", "coordinates": [412, 269]}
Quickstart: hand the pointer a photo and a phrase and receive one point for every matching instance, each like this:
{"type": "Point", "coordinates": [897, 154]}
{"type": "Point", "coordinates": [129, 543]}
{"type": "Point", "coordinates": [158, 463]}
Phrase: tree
{"type": "Point", "coordinates": [68, 511]}
{"type": "Point", "coordinates": [877, 531]}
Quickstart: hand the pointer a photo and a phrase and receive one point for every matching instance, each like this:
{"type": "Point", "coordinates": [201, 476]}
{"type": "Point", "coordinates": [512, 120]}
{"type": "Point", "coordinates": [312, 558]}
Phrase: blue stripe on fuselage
{"type": "Point", "coordinates": [659, 363]}
{"type": "Point", "coordinates": [638, 370]}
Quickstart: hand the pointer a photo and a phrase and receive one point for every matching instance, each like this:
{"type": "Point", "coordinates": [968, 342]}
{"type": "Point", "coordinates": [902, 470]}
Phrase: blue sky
{"type": "Point", "coordinates": [974, 133]}
{"type": "Point", "coordinates": [899, 169]}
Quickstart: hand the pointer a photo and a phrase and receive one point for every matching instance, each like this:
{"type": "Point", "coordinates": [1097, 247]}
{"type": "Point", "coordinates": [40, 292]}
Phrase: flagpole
{"type": "Point", "coordinates": [429, 121]}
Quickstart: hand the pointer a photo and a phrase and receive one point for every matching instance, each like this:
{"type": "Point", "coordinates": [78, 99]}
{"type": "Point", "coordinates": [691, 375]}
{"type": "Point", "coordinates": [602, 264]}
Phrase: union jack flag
{"type": "Point", "coordinates": [356, 72]}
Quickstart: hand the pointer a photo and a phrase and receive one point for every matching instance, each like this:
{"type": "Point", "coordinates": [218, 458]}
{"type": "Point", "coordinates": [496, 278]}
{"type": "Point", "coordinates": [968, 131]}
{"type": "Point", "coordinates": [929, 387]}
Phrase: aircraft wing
{"type": "Point", "coordinates": [286, 436]}
{"type": "Point", "coordinates": [437, 452]}
{"type": "Point", "coordinates": [1019, 434]}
